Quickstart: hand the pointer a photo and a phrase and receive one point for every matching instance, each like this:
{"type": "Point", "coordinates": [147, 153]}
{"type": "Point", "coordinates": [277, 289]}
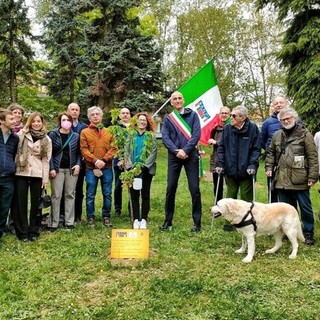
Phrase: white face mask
{"type": "Point", "coordinates": [66, 124]}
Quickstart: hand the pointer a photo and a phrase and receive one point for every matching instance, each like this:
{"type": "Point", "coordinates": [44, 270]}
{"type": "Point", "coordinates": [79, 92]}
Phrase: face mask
{"type": "Point", "coordinates": [66, 124]}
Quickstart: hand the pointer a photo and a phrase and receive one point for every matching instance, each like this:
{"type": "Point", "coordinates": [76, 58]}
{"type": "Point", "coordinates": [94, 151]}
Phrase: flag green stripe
{"type": "Point", "coordinates": [201, 82]}
{"type": "Point", "coordinates": [182, 120]}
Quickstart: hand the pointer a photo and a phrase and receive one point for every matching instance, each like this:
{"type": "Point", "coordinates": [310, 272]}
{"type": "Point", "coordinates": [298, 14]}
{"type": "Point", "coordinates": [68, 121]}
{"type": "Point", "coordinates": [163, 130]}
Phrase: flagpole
{"type": "Point", "coordinates": [160, 108]}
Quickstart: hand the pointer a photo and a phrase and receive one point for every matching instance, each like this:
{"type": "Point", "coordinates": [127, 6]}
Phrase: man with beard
{"type": "Point", "coordinates": [292, 158]}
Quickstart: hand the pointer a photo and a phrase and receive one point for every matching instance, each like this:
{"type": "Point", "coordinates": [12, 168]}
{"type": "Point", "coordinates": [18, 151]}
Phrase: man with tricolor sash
{"type": "Point", "coordinates": [181, 133]}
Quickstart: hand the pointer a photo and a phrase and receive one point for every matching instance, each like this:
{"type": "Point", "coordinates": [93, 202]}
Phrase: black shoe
{"type": "Point", "coordinates": [195, 228]}
{"type": "Point", "coordinates": [69, 228]}
{"type": "Point", "coordinates": [309, 240]}
{"type": "Point", "coordinates": [228, 227]}
{"type": "Point", "coordinates": [118, 213]}
{"type": "Point", "coordinates": [167, 226]}
{"type": "Point", "coordinates": [33, 238]}
{"type": "Point", "coordinates": [52, 229]}
{"type": "Point", "coordinates": [24, 239]}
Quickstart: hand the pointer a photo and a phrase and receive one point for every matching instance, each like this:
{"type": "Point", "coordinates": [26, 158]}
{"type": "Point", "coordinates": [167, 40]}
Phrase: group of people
{"type": "Point", "coordinates": [31, 157]}
{"type": "Point", "coordinates": [291, 165]}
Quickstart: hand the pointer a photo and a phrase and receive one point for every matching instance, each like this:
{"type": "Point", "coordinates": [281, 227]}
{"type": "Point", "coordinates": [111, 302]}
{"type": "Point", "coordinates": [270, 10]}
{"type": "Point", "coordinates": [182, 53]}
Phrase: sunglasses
{"type": "Point", "coordinates": [234, 115]}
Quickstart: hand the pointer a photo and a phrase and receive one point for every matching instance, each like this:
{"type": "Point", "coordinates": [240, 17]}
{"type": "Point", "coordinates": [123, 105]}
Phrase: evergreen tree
{"type": "Point", "coordinates": [124, 65]}
{"type": "Point", "coordinates": [64, 43]}
{"type": "Point", "coordinates": [300, 55]}
{"type": "Point", "coordinates": [15, 50]}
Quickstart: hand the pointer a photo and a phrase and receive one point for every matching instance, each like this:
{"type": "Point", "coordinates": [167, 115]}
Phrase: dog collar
{"type": "Point", "coordinates": [244, 222]}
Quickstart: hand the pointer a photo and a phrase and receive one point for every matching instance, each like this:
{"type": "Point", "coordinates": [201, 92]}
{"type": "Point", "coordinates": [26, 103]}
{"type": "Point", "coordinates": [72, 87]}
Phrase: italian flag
{"type": "Point", "coordinates": [201, 94]}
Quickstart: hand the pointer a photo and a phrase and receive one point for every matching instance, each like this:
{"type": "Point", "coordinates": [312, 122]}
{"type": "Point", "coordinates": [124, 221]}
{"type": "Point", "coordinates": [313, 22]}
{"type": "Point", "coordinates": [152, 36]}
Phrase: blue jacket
{"type": "Point", "coordinates": [239, 150]}
{"type": "Point", "coordinates": [79, 127]}
{"type": "Point", "coordinates": [269, 127]}
{"type": "Point", "coordinates": [74, 150]}
{"type": "Point", "coordinates": [7, 154]}
{"type": "Point", "coordinates": [173, 138]}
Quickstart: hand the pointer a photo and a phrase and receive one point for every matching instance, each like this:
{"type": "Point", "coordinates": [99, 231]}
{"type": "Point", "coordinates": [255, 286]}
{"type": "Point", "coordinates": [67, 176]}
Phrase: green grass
{"type": "Point", "coordinates": [68, 275]}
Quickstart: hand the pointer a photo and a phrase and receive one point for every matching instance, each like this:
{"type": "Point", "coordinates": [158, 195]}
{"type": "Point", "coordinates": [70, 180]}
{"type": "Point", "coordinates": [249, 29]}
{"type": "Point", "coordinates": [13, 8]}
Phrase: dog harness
{"type": "Point", "coordinates": [244, 222]}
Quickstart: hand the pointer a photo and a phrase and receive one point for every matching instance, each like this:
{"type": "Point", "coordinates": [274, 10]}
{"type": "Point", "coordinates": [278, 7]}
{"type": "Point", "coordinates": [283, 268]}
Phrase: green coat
{"type": "Point", "coordinates": [298, 164]}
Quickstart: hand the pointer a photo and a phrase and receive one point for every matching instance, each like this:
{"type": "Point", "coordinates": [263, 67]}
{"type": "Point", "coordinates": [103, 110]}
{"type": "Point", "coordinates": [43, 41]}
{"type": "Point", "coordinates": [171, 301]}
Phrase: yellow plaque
{"type": "Point", "coordinates": [130, 244]}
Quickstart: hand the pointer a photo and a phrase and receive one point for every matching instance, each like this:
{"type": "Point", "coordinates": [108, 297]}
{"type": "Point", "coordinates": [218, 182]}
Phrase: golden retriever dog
{"type": "Point", "coordinates": [255, 219]}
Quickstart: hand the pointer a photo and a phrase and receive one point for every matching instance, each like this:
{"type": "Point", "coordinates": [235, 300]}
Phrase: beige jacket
{"type": "Point", "coordinates": [37, 167]}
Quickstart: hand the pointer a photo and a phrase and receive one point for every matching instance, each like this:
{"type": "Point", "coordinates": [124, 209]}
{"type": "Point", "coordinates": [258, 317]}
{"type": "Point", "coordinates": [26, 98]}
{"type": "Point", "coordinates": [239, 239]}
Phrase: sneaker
{"type": "Point", "coordinates": [309, 240]}
{"type": "Point", "coordinates": [143, 224]}
{"type": "Point", "coordinates": [136, 224]}
{"type": "Point", "coordinates": [107, 222]}
{"type": "Point", "coordinates": [91, 222]}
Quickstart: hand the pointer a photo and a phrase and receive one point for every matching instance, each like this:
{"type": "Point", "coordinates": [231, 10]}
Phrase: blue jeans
{"type": "Point", "coordinates": [106, 186]}
{"type": "Point", "coordinates": [303, 198]}
{"type": "Point", "coordinates": [6, 194]}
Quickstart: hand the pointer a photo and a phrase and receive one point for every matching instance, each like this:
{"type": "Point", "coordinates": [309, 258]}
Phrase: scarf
{"type": "Point", "coordinates": [99, 128]}
{"type": "Point", "coordinates": [17, 127]}
{"type": "Point", "coordinates": [228, 121]}
{"type": "Point", "coordinates": [22, 156]}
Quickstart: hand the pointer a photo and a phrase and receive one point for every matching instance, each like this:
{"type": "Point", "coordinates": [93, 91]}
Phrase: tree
{"type": "Point", "coordinates": [300, 55]}
{"type": "Point", "coordinates": [15, 50]}
{"type": "Point", "coordinates": [64, 41]}
{"type": "Point", "coordinates": [124, 65]}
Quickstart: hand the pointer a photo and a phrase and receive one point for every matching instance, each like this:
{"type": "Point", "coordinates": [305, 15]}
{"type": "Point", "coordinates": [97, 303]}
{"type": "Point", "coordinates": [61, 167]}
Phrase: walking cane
{"type": "Point", "coordinates": [216, 196]}
{"type": "Point", "coordinates": [254, 187]}
{"type": "Point", "coordinates": [269, 189]}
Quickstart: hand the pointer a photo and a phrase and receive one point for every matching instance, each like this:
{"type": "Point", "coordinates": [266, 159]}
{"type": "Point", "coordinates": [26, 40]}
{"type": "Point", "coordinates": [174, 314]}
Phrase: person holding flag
{"type": "Point", "coordinates": [219, 121]}
{"type": "Point", "coordinates": [181, 133]}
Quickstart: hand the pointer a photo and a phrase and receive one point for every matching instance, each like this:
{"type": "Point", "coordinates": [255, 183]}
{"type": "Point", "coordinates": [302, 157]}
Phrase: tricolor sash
{"type": "Point", "coordinates": [181, 124]}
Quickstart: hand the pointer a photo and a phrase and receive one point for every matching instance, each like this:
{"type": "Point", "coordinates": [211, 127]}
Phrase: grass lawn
{"type": "Point", "coordinates": [68, 275]}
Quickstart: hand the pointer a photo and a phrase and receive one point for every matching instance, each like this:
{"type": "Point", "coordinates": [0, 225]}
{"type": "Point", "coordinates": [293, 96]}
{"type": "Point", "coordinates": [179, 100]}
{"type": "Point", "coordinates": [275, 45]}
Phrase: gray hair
{"type": "Point", "coordinates": [289, 111]}
{"type": "Point", "coordinates": [92, 109]}
{"type": "Point", "coordinates": [242, 110]}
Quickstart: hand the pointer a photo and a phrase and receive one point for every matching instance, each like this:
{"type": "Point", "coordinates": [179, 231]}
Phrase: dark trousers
{"type": "Point", "coordinates": [6, 195]}
{"type": "Point", "coordinates": [27, 227]}
{"type": "Point", "coordinates": [117, 194]}
{"type": "Point", "coordinates": [302, 197]}
{"type": "Point", "coordinates": [191, 166]}
{"type": "Point", "coordinates": [79, 195]}
{"type": "Point", "coordinates": [145, 197]}
{"type": "Point", "coordinates": [217, 187]}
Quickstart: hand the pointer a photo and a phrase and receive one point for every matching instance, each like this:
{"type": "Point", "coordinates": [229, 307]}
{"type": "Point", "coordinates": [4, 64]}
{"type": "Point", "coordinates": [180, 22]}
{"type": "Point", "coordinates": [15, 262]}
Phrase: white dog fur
{"type": "Point", "coordinates": [274, 218]}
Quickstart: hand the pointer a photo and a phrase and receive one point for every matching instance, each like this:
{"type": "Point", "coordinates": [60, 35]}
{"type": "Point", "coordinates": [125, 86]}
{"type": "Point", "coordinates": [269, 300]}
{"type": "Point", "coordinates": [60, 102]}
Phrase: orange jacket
{"type": "Point", "coordinates": [95, 146]}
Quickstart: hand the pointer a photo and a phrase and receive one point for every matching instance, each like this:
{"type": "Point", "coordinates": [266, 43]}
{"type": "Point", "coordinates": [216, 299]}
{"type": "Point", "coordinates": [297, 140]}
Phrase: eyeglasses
{"type": "Point", "coordinates": [234, 115]}
{"type": "Point", "coordinates": [286, 119]}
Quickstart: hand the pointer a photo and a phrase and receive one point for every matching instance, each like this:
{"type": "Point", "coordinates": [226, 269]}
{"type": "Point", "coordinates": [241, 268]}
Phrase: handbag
{"type": "Point", "coordinates": [45, 200]}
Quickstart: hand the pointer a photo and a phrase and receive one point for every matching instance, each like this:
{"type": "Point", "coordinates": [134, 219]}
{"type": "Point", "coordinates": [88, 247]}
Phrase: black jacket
{"type": "Point", "coordinates": [7, 154]}
{"type": "Point", "coordinates": [239, 150]}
